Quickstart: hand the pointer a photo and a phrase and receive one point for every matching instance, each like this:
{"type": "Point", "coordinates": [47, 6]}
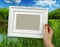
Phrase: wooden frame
{"type": "Point", "coordinates": [27, 21]}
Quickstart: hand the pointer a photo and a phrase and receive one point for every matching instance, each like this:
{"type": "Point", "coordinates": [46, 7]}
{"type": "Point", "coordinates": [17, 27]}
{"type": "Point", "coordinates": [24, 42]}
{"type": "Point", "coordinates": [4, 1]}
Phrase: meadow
{"type": "Point", "coordinates": [6, 41]}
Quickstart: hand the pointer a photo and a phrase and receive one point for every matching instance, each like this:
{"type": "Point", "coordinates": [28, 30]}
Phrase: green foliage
{"type": "Point", "coordinates": [4, 13]}
{"type": "Point", "coordinates": [55, 24]}
{"type": "Point", "coordinates": [3, 28]}
{"type": "Point", "coordinates": [54, 14]}
{"type": "Point", "coordinates": [21, 42]}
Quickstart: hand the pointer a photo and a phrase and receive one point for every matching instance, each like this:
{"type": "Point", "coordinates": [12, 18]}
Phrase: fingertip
{"type": "Point", "coordinates": [46, 29]}
{"type": "Point", "coordinates": [46, 24]}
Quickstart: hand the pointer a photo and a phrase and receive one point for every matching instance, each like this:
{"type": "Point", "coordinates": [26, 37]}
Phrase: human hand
{"type": "Point", "coordinates": [48, 34]}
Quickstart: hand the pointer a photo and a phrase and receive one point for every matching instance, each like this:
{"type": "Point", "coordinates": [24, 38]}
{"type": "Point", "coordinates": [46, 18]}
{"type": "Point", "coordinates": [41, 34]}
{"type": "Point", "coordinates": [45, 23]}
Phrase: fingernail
{"type": "Point", "coordinates": [46, 24]}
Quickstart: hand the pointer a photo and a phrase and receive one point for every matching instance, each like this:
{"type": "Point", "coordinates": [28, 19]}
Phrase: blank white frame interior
{"type": "Point", "coordinates": [27, 21]}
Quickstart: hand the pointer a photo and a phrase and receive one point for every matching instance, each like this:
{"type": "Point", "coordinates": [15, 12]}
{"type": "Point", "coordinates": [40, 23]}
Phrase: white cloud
{"type": "Point", "coordinates": [18, 1]}
{"type": "Point", "coordinates": [7, 1]}
{"type": "Point", "coordinates": [44, 2]}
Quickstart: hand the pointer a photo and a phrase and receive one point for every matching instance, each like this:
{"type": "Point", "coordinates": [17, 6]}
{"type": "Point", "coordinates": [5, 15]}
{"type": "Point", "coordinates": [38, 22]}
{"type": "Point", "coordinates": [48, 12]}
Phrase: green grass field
{"type": "Point", "coordinates": [31, 42]}
{"type": "Point", "coordinates": [6, 41]}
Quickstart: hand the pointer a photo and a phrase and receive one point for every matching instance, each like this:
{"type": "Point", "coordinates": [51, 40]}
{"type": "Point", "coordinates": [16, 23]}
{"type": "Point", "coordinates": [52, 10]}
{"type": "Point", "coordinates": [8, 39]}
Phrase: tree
{"type": "Point", "coordinates": [54, 14]}
{"type": "Point", "coordinates": [4, 13]}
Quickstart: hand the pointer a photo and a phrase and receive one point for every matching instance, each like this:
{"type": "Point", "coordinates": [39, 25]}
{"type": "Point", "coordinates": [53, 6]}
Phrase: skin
{"type": "Point", "coordinates": [48, 34]}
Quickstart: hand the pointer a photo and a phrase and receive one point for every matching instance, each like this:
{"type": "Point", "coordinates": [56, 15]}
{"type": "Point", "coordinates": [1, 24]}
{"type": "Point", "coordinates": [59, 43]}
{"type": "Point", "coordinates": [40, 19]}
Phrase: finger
{"type": "Point", "coordinates": [46, 29]}
{"type": "Point", "coordinates": [50, 31]}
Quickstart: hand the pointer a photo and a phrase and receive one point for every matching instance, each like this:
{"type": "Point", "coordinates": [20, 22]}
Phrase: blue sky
{"type": "Point", "coordinates": [50, 4]}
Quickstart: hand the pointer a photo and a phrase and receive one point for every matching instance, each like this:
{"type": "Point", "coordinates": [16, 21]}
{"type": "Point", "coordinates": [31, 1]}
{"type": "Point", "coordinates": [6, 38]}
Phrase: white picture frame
{"type": "Point", "coordinates": [17, 27]}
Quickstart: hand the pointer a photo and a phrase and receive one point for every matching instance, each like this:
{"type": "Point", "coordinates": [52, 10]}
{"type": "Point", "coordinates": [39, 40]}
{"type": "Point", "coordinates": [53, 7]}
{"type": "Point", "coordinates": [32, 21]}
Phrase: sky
{"type": "Point", "coordinates": [50, 4]}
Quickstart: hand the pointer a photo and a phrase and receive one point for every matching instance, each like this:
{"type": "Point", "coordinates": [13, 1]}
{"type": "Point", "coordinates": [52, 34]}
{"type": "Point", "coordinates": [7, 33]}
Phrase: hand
{"type": "Point", "coordinates": [48, 34]}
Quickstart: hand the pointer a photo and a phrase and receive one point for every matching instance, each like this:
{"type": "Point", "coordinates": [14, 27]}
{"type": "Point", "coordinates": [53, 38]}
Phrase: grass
{"type": "Point", "coordinates": [55, 24]}
{"type": "Point", "coordinates": [30, 42]}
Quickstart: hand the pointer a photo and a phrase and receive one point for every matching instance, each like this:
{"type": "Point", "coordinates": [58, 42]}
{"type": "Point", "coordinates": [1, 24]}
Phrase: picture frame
{"type": "Point", "coordinates": [27, 21]}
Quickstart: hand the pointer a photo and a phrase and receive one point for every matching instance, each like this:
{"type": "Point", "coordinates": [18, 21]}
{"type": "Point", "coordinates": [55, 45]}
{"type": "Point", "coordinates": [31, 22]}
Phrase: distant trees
{"type": "Point", "coordinates": [4, 13]}
{"type": "Point", "coordinates": [54, 14]}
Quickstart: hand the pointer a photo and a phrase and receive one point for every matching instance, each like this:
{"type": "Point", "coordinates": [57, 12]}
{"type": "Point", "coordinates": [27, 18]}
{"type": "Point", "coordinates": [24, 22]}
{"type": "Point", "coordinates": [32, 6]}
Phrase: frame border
{"type": "Point", "coordinates": [10, 29]}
